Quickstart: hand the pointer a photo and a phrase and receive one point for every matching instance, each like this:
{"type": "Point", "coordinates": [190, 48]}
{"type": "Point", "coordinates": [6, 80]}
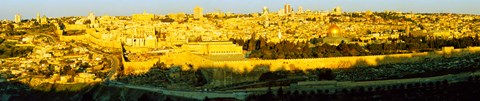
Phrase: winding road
{"type": "Point", "coordinates": [113, 60]}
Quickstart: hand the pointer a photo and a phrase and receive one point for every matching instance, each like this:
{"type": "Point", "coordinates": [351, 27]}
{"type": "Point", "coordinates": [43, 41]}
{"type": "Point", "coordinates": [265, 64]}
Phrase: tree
{"type": "Point", "coordinates": [145, 97]}
{"type": "Point", "coordinates": [88, 22]}
{"type": "Point", "coordinates": [314, 40]}
{"type": "Point", "coordinates": [252, 42]}
{"type": "Point", "coordinates": [343, 47]}
{"type": "Point", "coordinates": [65, 70]}
{"type": "Point", "coordinates": [262, 42]}
{"type": "Point", "coordinates": [280, 92]}
{"type": "Point", "coordinates": [205, 99]}
{"type": "Point", "coordinates": [61, 25]}
{"type": "Point", "coordinates": [9, 27]}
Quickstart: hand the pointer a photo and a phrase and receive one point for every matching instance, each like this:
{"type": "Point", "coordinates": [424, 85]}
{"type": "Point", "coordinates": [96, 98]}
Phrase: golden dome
{"type": "Point", "coordinates": [333, 30]}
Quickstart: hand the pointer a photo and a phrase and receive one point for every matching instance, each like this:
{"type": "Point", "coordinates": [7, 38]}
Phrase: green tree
{"type": "Point", "coordinates": [61, 25]}
{"type": "Point", "coordinates": [9, 27]}
{"type": "Point", "coordinates": [252, 42]}
{"type": "Point", "coordinates": [343, 47]}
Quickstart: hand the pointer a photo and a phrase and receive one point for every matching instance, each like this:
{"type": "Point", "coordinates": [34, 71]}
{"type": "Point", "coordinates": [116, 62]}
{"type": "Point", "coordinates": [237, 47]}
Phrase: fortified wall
{"type": "Point", "coordinates": [332, 62]}
{"type": "Point", "coordinates": [228, 72]}
{"type": "Point", "coordinates": [137, 67]}
{"type": "Point", "coordinates": [196, 61]}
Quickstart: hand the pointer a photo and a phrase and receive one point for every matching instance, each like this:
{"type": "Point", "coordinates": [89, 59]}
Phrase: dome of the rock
{"type": "Point", "coordinates": [333, 30]}
{"type": "Point", "coordinates": [333, 37]}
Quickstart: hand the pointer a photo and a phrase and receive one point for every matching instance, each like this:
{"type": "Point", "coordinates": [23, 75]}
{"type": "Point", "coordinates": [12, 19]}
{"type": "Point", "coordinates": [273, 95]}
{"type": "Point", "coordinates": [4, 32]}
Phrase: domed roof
{"type": "Point", "coordinates": [333, 30]}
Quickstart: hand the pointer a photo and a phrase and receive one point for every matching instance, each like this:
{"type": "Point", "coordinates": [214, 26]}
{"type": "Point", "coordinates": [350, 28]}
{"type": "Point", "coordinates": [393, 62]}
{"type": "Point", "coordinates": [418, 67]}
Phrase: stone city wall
{"type": "Point", "coordinates": [227, 70]}
{"type": "Point", "coordinates": [138, 67]}
{"type": "Point", "coordinates": [344, 62]}
{"type": "Point", "coordinates": [185, 60]}
{"type": "Point", "coordinates": [332, 62]}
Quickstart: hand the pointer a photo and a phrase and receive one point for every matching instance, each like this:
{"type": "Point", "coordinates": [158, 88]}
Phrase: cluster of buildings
{"type": "Point", "coordinates": [46, 60]}
{"type": "Point", "coordinates": [146, 35]}
{"type": "Point", "coordinates": [52, 64]}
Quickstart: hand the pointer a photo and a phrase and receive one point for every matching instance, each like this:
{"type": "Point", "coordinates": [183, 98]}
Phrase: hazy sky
{"type": "Point", "coordinates": [57, 8]}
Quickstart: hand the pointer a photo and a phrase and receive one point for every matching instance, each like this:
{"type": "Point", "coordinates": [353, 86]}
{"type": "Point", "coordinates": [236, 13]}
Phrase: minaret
{"type": "Point", "coordinates": [411, 15]}
{"type": "Point", "coordinates": [38, 18]}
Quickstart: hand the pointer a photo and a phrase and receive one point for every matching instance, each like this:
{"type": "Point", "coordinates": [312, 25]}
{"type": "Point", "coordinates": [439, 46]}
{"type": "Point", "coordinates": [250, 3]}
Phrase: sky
{"type": "Point", "coordinates": [58, 8]}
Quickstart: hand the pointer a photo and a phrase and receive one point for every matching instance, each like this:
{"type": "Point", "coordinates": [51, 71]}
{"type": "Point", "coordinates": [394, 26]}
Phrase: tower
{"type": "Point", "coordinates": [18, 18]}
{"type": "Point", "coordinates": [265, 10]}
{"type": "Point", "coordinates": [197, 12]}
{"type": "Point", "coordinates": [287, 9]}
{"type": "Point", "coordinates": [38, 17]}
{"type": "Point", "coordinates": [300, 10]}
{"type": "Point", "coordinates": [91, 17]}
{"type": "Point", "coordinates": [411, 15]}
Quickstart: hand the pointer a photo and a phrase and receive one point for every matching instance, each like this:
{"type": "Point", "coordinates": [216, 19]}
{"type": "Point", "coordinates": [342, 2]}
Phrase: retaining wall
{"type": "Point", "coordinates": [311, 63]}
{"type": "Point", "coordinates": [138, 67]}
{"type": "Point", "coordinates": [228, 72]}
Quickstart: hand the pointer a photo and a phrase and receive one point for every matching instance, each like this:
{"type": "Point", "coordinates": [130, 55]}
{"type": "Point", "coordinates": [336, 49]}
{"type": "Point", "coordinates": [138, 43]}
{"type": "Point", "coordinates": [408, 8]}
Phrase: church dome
{"type": "Point", "coordinates": [333, 30]}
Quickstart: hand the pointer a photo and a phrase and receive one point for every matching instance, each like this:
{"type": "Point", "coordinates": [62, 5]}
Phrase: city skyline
{"type": "Point", "coordinates": [55, 8]}
{"type": "Point", "coordinates": [250, 50]}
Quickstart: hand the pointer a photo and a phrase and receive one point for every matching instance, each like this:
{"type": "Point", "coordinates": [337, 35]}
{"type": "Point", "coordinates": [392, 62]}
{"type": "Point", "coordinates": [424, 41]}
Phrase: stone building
{"type": "Point", "coordinates": [141, 36]}
{"type": "Point", "coordinates": [197, 12]}
{"type": "Point", "coordinates": [18, 18]}
{"type": "Point", "coordinates": [337, 10]}
{"type": "Point", "coordinates": [143, 17]}
{"type": "Point", "coordinates": [44, 20]}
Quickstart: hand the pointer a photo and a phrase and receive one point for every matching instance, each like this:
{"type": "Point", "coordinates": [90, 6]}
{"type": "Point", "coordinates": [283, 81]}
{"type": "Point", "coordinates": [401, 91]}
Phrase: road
{"type": "Point", "coordinates": [114, 61]}
{"type": "Point", "coordinates": [198, 95]}
{"type": "Point", "coordinates": [55, 40]}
